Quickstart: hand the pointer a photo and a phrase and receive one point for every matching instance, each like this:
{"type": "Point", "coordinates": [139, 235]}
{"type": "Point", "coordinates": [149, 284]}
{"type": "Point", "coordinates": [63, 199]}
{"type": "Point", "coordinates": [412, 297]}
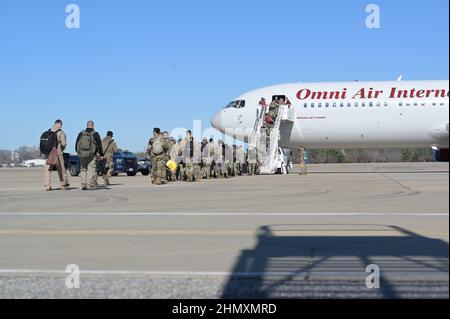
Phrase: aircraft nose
{"type": "Point", "coordinates": [216, 121]}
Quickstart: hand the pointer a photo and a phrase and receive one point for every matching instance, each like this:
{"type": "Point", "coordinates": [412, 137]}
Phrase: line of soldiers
{"type": "Point", "coordinates": [192, 160]}
{"type": "Point", "coordinates": [189, 160]}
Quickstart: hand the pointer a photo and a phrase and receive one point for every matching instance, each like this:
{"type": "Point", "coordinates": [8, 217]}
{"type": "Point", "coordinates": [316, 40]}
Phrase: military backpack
{"type": "Point", "coordinates": [86, 146]}
{"type": "Point", "coordinates": [49, 140]}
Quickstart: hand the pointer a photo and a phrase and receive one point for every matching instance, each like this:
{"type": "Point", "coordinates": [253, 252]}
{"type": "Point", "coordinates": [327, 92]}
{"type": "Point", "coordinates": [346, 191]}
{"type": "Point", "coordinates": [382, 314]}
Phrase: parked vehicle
{"type": "Point", "coordinates": [144, 166]}
{"type": "Point", "coordinates": [124, 162]}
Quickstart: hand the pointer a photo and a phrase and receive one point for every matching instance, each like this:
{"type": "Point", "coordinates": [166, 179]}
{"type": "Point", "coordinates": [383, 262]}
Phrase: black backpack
{"type": "Point", "coordinates": [49, 140]}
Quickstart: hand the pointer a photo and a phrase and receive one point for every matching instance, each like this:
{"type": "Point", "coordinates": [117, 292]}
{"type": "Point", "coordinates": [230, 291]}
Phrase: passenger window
{"type": "Point", "coordinates": [363, 104]}
{"type": "Point", "coordinates": [386, 104]}
{"type": "Point", "coordinates": [312, 104]}
{"type": "Point", "coordinates": [327, 104]}
{"type": "Point", "coordinates": [378, 104]}
{"type": "Point", "coordinates": [349, 104]}
{"type": "Point", "coordinates": [319, 105]}
{"type": "Point", "coordinates": [356, 104]}
{"type": "Point", "coordinates": [305, 105]}
{"type": "Point", "coordinates": [371, 104]}
{"type": "Point", "coordinates": [342, 104]}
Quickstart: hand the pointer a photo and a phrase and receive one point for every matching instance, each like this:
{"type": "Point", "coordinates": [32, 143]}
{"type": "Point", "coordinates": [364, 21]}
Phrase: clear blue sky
{"type": "Point", "coordinates": [134, 65]}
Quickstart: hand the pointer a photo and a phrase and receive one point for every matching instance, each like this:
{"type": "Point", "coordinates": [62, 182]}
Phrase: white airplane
{"type": "Point", "coordinates": [387, 114]}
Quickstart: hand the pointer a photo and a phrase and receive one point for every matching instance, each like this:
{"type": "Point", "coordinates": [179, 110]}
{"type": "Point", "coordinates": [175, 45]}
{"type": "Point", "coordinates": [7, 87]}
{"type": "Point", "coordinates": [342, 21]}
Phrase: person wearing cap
{"type": "Point", "coordinates": [172, 155]}
{"type": "Point", "coordinates": [165, 134]}
{"type": "Point", "coordinates": [206, 158]}
{"type": "Point", "coordinates": [188, 147]}
{"type": "Point", "coordinates": [240, 155]}
{"type": "Point", "coordinates": [252, 160]}
{"type": "Point", "coordinates": [216, 155]}
{"type": "Point", "coordinates": [157, 152]}
{"type": "Point", "coordinates": [177, 151]}
{"type": "Point", "coordinates": [110, 147]}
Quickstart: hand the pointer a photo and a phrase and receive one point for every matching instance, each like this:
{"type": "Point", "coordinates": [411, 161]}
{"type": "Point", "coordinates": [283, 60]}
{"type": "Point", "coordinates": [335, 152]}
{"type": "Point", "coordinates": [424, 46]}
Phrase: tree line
{"type": "Point", "coordinates": [369, 155]}
{"type": "Point", "coordinates": [317, 156]}
{"type": "Point", "coordinates": [23, 153]}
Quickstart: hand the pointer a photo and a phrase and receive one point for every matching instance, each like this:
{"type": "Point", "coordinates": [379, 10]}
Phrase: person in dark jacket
{"type": "Point", "coordinates": [89, 148]}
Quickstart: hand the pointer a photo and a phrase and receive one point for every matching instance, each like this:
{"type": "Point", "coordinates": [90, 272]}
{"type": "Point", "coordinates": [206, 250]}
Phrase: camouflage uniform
{"type": "Point", "coordinates": [110, 147]}
{"type": "Point", "coordinates": [234, 162]}
{"type": "Point", "coordinates": [198, 161]}
{"type": "Point", "coordinates": [173, 154]}
{"type": "Point", "coordinates": [240, 158]}
{"type": "Point", "coordinates": [252, 161]}
{"type": "Point", "coordinates": [216, 156]}
{"type": "Point", "coordinates": [176, 156]}
{"type": "Point", "coordinates": [227, 160]}
{"type": "Point", "coordinates": [158, 160]}
{"type": "Point", "coordinates": [206, 160]}
{"type": "Point", "coordinates": [188, 146]}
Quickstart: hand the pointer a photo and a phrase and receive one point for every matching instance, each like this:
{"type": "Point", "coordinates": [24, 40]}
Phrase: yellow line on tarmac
{"type": "Point", "coordinates": [219, 232]}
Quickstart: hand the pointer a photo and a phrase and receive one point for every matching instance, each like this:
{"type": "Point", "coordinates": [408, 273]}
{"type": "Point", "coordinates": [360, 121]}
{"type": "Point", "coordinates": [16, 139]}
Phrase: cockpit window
{"type": "Point", "coordinates": [236, 104]}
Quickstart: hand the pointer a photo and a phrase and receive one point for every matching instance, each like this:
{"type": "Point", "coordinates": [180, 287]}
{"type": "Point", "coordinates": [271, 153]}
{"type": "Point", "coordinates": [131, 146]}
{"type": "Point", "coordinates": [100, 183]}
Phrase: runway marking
{"type": "Point", "coordinates": [223, 214]}
{"type": "Point", "coordinates": [218, 232]}
{"type": "Point", "coordinates": [401, 275]}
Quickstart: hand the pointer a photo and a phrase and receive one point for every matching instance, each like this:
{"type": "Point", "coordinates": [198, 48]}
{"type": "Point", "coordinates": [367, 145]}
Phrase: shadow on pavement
{"type": "Point", "coordinates": [287, 264]}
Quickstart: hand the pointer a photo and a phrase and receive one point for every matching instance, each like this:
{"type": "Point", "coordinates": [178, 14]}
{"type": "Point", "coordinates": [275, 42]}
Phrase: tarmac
{"type": "Point", "coordinates": [281, 236]}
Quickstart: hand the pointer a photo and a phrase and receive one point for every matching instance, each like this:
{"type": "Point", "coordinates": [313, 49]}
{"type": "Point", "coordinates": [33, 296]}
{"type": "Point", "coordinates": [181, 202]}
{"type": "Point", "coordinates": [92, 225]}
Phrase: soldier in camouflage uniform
{"type": "Point", "coordinates": [165, 134]}
{"type": "Point", "coordinates": [206, 159]}
{"type": "Point", "coordinates": [234, 162]}
{"type": "Point", "coordinates": [252, 160]}
{"type": "Point", "coordinates": [110, 147]}
{"type": "Point", "coordinates": [216, 156]}
{"type": "Point", "coordinates": [198, 161]}
{"type": "Point", "coordinates": [180, 160]}
{"type": "Point", "coordinates": [157, 152]}
{"type": "Point", "coordinates": [172, 154]}
{"type": "Point", "coordinates": [188, 146]}
{"type": "Point", "coordinates": [240, 154]}
{"type": "Point", "coordinates": [227, 152]}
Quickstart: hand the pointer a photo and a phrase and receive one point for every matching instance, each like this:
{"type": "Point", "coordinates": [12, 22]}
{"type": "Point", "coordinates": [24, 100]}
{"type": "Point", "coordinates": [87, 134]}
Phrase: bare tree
{"type": "Point", "coordinates": [5, 156]}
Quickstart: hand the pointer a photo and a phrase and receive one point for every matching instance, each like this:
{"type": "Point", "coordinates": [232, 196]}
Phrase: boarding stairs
{"type": "Point", "coordinates": [270, 154]}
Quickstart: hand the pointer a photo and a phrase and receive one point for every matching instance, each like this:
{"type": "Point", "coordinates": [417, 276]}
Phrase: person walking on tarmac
{"type": "Point", "coordinates": [89, 149]}
{"type": "Point", "coordinates": [157, 150]}
{"type": "Point", "coordinates": [110, 147]}
{"type": "Point", "coordinates": [59, 142]}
